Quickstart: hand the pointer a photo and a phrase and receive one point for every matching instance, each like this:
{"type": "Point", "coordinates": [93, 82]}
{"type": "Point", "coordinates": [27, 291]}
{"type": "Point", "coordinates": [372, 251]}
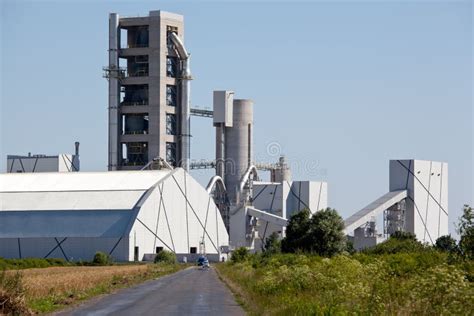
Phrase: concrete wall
{"type": "Point", "coordinates": [157, 51]}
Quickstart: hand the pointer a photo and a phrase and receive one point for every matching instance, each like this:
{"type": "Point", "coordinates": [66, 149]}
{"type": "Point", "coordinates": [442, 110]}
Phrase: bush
{"type": "Point", "coordinates": [165, 256]}
{"type": "Point", "coordinates": [101, 259]}
{"type": "Point", "coordinates": [272, 244]}
{"type": "Point", "coordinates": [29, 263]}
{"type": "Point", "coordinates": [240, 255]}
{"type": "Point", "coordinates": [12, 295]}
{"type": "Point", "coordinates": [397, 243]}
{"type": "Point", "coordinates": [466, 231]}
{"type": "Point", "coordinates": [446, 243]}
{"type": "Point", "coordinates": [362, 284]}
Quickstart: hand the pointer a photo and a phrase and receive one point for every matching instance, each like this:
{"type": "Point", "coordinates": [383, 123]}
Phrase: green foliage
{"type": "Point", "coordinates": [466, 231]}
{"type": "Point", "coordinates": [446, 243]}
{"type": "Point", "coordinates": [401, 235]}
{"type": "Point", "coordinates": [29, 263]}
{"type": "Point", "coordinates": [327, 236]}
{"type": "Point", "coordinates": [321, 233]}
{"type": "Point", "coordinates": [297, 232]}
{"type": "Point", "coordinates": [398, 243]}
{"type": "Point", "coordinates": [363, 284]}
{"type": "Point", "coordinates": [240, 255]}
{"type": "Point", "coordinates": [166, 257]}
{"type": "Point", "coordinates": [101, 259]}
{"type": "Point", "coordinates": [350, 247]}
{"type": "Point", "coordinates": [272, 244]}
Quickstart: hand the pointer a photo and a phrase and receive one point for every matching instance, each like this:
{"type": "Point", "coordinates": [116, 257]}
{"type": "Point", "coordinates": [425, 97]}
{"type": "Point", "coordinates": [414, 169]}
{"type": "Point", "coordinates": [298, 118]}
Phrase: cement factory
{"type": "Point", "coordinates": [147, 201]}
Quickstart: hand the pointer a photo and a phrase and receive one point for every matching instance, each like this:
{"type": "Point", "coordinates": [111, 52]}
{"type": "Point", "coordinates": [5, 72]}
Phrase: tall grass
{"type": "Point", "coordinates": [392, 284]}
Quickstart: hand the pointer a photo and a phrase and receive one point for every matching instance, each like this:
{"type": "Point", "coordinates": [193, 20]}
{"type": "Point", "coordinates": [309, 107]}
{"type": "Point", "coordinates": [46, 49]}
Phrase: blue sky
{"type": "Point", "coordinates": [341, 87]}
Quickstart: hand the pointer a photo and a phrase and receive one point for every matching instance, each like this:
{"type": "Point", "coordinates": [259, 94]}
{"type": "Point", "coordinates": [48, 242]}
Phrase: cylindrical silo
{"type": "Point", "coordinates": [238, 145]}
{"type": "Point", "coordinates": [282, 173]}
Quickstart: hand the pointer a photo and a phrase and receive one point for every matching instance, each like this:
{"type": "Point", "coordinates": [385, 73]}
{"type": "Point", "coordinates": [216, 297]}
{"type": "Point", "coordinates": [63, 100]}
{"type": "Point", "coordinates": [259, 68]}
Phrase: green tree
{"type": "Point", "coordinates": [297, 232]}
{"type": "Point", "coordinates": [326, 235]}
{"type": "Point", "coordinates": [272, 244]}
{"type": "Point", "coordinates": [466, 231]}
{"type": "Point", "coordinates": [446, 243]}
{"type": "Point", "coordinates": [321, 233]}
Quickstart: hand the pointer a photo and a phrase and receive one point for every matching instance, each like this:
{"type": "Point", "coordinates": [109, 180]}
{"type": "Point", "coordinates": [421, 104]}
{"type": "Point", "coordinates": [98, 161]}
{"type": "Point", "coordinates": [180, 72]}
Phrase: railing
{"type": "Point", "coordinates": [134, 103]}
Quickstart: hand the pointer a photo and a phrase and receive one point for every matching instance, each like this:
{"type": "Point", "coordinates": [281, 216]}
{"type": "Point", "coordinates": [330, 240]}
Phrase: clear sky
{"type": "Point", "coordinates": [340, 88]}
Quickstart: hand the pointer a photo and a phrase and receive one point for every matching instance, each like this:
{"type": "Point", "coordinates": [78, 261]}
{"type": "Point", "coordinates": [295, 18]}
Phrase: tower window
{"type": "Point", "coordinates": [171, 124]}
{"type": "Point", "coordinates": [171, 66]}
{"type": "Point", "coordinates": [171, 153]}
{"type": "Point", "coordinates": [134, 153]}
{"type": "Point", "coordinates": [171, 95]}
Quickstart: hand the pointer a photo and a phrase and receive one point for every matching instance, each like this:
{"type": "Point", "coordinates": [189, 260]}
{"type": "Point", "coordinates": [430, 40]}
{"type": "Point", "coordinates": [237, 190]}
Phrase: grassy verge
{"type": "Point", "coordinates": [398, 284]}
{"type": "Point", "coordinates": [49, 289]}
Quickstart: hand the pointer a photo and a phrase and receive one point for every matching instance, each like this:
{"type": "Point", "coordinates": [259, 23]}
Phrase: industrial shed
{"type": "Point", "coordinates": [127, 214]}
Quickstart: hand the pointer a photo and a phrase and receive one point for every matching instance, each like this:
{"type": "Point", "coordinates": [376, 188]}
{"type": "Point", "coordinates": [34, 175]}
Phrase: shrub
{"type": "Point", "coordinates": [101, 259]}
{"type": "Point", "coordinates": [28, 263]}
{"type": "Point", "coordinates": [466, 231]}
{"type": "Point", "coordinates": [272, 244]}
{"type": "Point", "coordinates": [12, 295]}
{"type": "Point", "coordinates": [240, 255]}
{"type": "Point", "coordinates": [400, 243]}
{"type": "Point", "coordinates": [165, 256]}
{"type": "Point", "coordinates": [446, 243]}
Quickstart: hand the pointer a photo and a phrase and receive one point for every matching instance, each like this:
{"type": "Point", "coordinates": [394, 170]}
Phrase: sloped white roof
{"type": "Point", "coordinates": [113, 190]}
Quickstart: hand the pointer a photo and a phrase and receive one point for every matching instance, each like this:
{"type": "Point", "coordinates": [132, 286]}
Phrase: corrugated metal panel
{"type": "Point", "coordinates": [64, 224]}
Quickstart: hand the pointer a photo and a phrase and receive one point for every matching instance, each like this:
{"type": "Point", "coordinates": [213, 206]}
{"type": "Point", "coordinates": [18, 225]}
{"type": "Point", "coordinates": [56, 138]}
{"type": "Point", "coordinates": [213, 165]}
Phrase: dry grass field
{"type": "Point", "coordinates": [48, 289]}
{"type": "Point", "coordinates": [58, 280]}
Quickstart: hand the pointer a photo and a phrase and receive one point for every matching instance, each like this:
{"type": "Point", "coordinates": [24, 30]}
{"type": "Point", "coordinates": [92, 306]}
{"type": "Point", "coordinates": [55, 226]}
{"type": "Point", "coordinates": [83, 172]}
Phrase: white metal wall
{"type": "Point", "coordinates": [176, 216]}
{"type": "Point", "coordinates": [427, 202]}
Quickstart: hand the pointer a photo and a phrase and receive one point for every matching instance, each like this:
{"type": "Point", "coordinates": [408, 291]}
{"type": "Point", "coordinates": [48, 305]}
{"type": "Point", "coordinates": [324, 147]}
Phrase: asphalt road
{"type": "Point", "coordinates": [188, 292]}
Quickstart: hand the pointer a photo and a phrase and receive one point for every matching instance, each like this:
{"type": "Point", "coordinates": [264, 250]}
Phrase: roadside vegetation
{"type": "Point", "coordinates": [30, 286]}
{"type": "Point", "coordinates": [315, 271]}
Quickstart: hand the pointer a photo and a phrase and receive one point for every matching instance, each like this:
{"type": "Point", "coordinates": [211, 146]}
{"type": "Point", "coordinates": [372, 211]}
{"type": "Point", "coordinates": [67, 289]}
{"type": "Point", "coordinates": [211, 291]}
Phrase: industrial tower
{"type": "Point", "coordinates": [148, 76]}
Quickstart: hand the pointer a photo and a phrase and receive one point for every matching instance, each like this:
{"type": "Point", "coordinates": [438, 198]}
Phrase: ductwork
{"type": "Point", "coordinates": [251, 170]}
{"type": "Point", "coordinates": [185, 82]}
{"type": "Point", "coordinates": [216, 180]}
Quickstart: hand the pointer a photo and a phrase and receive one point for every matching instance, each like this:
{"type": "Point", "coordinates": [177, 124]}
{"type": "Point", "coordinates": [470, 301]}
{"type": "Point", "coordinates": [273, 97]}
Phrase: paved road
{"type": "Point", "coordinates": [188, 292]}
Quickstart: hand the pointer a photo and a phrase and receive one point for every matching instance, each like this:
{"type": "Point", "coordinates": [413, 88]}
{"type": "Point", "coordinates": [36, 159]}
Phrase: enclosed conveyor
{"type": "Point", "coordinates": [373, 209]}
{"type": "Point", "coordinates": [185, 80]}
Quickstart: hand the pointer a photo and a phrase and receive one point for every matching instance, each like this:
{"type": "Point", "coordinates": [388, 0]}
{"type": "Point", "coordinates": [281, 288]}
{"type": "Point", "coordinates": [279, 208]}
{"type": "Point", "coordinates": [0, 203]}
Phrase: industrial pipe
{"type": "Point", "coordinates": [246, 177]}
{"type": "Point", "coordinates": [114, 43]}
{"type": "Point", "coordinates": [185, 103]}
{"type": "Point", "coordinates": [213, 182]}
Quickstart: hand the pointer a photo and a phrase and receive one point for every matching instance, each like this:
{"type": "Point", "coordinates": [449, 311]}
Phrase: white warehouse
{"type": "Point", "coordinates": [127, 214]}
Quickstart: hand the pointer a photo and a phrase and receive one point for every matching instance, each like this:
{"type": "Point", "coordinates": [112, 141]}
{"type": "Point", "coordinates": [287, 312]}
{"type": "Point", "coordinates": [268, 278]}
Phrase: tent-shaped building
{"type": "Point", "coordinates": [127, 214]}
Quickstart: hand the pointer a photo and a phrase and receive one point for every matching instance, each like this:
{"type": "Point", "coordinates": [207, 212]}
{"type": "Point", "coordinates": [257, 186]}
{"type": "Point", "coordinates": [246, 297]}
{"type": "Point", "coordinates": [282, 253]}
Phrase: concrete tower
{"type": "Point", "coordinates": [148, 102]}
